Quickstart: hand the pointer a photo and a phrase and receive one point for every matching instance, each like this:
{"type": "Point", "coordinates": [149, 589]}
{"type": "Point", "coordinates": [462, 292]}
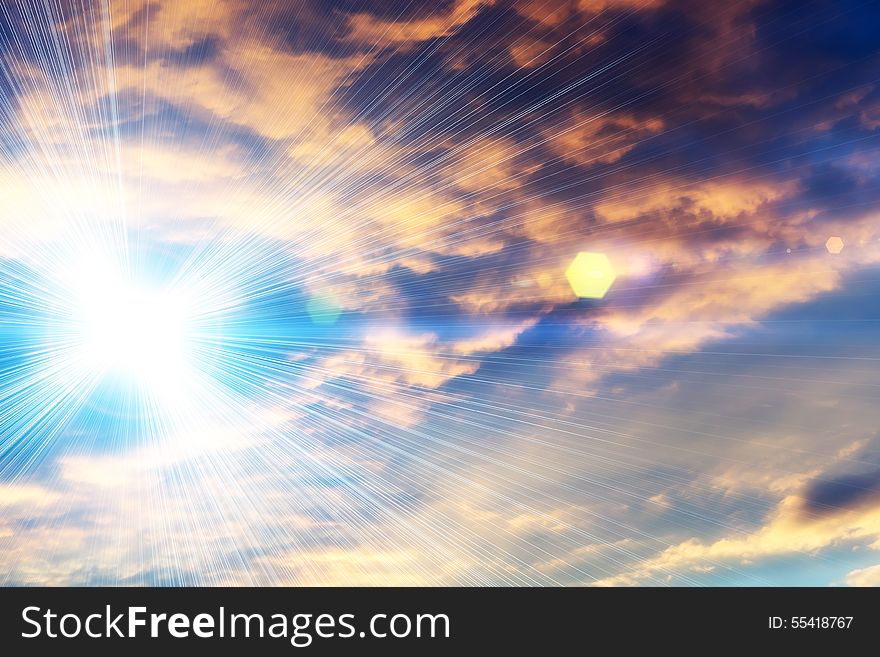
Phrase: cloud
{"type": "Point", "coordinates": [396, 374]}
{"type": "Point", "coordinates": [787, 532]}
{"type": "Point", "coordinates": [369, 29]}
{"type": "Point", "coordinates": [251, 88]}
{"type": "Point", "coordinates": [25, 495]}
{"type": "Point", "coordinates": [414, 358]}
{"type": "Point", "coordinates": [721, 200]}
{"type": "Point", "coordinates": [360, 566]}
{"type": "Point", "coordinates": [844, 491]}
{"type": "Point", "coordinates": [864, 577]}
{"type": "Point", "coordinates": [596, 6]}
{"type": "Point", "coordinates": [602, 138]}
{"type": "Point", "coordinates": [435, 171]}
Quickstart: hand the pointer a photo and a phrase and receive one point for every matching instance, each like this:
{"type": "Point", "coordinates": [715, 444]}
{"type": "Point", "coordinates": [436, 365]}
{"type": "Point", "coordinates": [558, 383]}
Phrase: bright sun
{"type": "Point", "coordinates": [130, 328]}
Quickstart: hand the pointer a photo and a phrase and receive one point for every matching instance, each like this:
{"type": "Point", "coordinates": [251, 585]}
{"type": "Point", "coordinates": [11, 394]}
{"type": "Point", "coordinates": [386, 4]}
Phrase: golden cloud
{"type": "Point", "coordinates": [786, 532]}
{"type": "Point", "coordinates": [367, 28]}
{"type": "Point", "coordinates": [587, 139]}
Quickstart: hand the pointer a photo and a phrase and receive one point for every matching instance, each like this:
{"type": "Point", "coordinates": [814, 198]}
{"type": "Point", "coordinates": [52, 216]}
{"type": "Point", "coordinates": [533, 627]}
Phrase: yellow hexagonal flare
{"type": "Point", "coordinates": [834, 245]}
{"type": "Point", "coordinates": [590, 275]}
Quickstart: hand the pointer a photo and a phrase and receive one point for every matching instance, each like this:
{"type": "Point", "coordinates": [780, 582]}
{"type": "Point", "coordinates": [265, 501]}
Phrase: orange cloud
{"type": "Point", "coordinates": [601, 138]}
{"type": "Point", "coordinates": [367, 28]}
{"type": "Point", "coordinates": [721, 199]}
{"type": "Point", "coordinates": [869, 576]}
{"type": "Point", "coordinates": [786, 532]}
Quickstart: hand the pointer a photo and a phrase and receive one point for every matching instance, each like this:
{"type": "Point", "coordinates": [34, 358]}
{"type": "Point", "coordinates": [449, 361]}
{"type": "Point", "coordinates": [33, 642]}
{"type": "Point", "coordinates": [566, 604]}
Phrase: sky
{"type": "Point", "coordinates": [290, 295]}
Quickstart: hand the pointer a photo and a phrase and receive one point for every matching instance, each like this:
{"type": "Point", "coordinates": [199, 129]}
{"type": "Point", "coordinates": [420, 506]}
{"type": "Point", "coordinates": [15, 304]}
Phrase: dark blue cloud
{"type": "Point", "coordinates": [845, 491]}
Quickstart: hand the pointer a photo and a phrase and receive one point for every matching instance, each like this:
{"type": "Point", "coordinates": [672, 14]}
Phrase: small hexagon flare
{"type": "Point", "coordinates": [590, 275]}
{"type": "Point", "coordinates": [834, 245]}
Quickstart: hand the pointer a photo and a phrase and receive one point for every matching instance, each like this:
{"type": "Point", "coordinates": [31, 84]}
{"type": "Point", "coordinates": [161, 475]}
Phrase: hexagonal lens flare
{"type": "Point", "coordinates": [590, 275]}
{"type": "Point", "coordinates": [834, 245]}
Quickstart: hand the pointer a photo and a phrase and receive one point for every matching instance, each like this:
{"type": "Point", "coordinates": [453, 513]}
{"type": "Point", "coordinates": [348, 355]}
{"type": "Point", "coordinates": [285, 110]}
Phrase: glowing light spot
{"type": "Point", "coordinates": [130, 329]}
{"type": "Point", "coordinates": [590, 275]}
{"type": "Point", "coordinates": [323, 309]}
{"type": "Point", "coordinates": [834, 245]}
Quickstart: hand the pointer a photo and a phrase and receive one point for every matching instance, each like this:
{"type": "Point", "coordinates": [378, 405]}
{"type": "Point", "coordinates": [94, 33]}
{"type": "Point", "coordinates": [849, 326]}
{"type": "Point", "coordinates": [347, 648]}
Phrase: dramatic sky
{"type": "Point", "coordinates": [363, 214]}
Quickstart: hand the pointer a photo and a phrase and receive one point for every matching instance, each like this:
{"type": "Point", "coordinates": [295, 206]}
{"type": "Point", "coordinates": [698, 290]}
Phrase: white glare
{"type": "Point", "coordinates": [130, 328]}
